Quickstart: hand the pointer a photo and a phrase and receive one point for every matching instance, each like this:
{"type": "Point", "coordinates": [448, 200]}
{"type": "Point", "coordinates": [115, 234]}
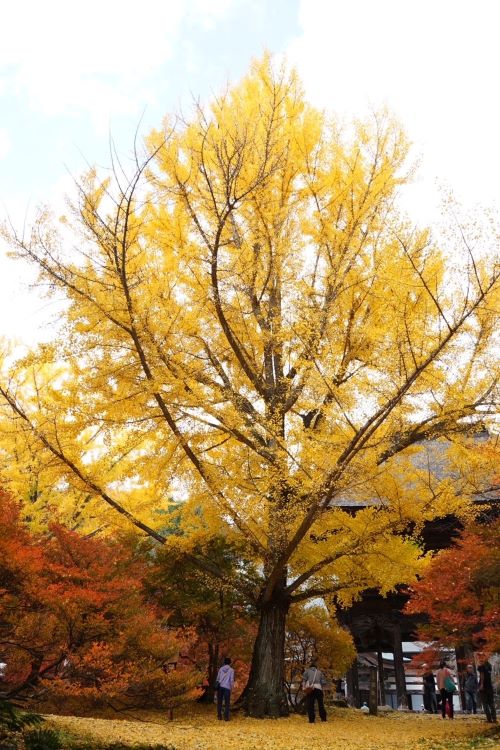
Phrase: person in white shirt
{"type": "Point", "coordinates": [224, 685]}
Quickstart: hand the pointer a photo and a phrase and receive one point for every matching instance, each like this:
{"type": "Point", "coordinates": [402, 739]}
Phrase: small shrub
{"type": "Point", "coordinates": [42, 739]}
{"type": "Point", "coordinates": [13, 719]}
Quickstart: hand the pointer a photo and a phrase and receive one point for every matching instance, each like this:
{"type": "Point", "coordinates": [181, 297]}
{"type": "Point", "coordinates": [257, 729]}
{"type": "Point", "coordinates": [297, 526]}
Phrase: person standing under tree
{"type": "Point", "coordinates": [470, 689]}
{"type": "Point", "coordinates": [446, 687]}
{"type": "Point", "coordinates": [313, 682]}
{"type": "Point", "coordinates": [430, 700]}
{"type": "Point", "coordinates": [486, 690]}
{"type": "Point", "coordinates": [224, 685]}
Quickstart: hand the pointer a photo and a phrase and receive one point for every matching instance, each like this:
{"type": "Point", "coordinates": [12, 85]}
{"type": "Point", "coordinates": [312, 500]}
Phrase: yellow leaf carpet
{"type": "Point", "coordinates": [345, 730]}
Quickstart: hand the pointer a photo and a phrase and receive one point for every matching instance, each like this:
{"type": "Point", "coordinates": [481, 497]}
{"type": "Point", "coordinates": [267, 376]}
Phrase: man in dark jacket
{"type": "Point", "coordinates": [486, 690]}
{"type": "Point", "coordinates": [430, 699]}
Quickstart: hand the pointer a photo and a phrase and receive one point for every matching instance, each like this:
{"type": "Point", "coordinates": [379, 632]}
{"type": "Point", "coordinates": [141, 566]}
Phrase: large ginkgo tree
{"type": "Point", "coordinates": [253, 328]}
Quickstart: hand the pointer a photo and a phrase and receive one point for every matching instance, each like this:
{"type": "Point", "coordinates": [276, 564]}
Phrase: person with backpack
{"type": "Point", "coordinates": [446, 686]}
{"type": "Point", "coordinates": [313, 682]}
{"type": "Point", "coordinates": [224, 685]}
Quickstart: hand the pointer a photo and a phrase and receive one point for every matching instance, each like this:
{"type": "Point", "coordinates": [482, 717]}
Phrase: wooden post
{"type": "Point", "coordinates": [381, 686]}
{"type": "Point", "coordinates": [399, 669]}
{"type": "Point", "coordinates": [372, 698]}
{"type": "Point", "coordinates": [352, 682]}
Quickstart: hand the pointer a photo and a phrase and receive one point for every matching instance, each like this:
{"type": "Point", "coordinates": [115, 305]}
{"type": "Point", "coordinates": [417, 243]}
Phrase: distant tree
{"type": "Point", "coordinates": [209, 607]}
{"type": "Point", "coordinates": [74, 619]}
{"type": "Point", "coordinates": [312, 633]}
{"type": "Point", "coordinates": [460, 592]}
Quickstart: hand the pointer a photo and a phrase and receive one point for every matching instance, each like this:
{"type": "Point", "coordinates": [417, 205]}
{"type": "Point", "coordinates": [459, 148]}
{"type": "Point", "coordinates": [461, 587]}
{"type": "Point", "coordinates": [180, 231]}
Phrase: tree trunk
{"type": "Point", "coordinates": [213, 667]}
{"type": "Point", "coordinates": [464, 655]}
{"type": "Point", "coordinates": [265, 694]}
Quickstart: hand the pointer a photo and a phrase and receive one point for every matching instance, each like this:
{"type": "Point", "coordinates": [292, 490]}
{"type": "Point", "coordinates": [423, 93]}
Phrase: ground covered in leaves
{"type": "Point", "coordinates": [345, 730]}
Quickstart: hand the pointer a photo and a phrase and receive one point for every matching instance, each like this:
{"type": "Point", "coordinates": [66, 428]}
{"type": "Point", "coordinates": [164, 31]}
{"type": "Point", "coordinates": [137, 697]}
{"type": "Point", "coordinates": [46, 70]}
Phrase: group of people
{"type": "Point", "coordinates": [445, 683]}
{"type": "Point", "coordinates": [313, 682]}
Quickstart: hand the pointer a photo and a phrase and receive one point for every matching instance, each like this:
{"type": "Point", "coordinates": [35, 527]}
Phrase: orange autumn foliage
{"type": "Point", "coordinates": [74, 619]}
{"type": "Point", "coordinates": [460, 592]}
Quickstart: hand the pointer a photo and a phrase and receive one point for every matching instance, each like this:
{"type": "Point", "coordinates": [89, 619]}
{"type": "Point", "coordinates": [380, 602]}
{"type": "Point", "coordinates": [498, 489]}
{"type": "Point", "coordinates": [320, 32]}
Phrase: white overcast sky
{"type": "Point", "coordinates": [71, 73]}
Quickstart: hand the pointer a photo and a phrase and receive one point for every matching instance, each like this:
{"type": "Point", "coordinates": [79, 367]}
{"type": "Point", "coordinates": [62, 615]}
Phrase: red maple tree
{"type": "Point", "coordinates": [74, 619]}
{"type": "Point", "coordinates": [460, 592]}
